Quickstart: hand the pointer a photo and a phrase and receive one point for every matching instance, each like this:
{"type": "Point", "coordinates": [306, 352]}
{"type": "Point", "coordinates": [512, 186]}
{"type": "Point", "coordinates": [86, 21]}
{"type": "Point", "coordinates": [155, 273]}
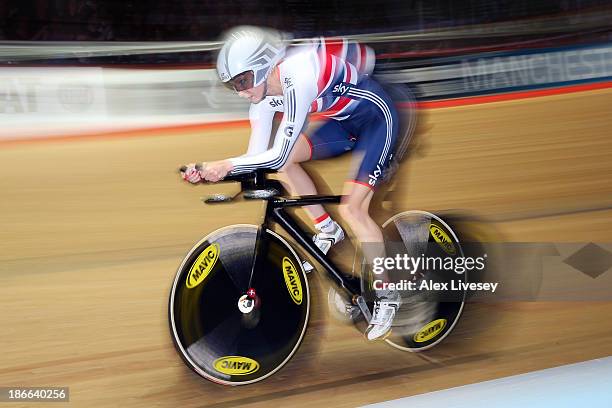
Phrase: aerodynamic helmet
{"type": "Point", "coordinates": [248, 48]}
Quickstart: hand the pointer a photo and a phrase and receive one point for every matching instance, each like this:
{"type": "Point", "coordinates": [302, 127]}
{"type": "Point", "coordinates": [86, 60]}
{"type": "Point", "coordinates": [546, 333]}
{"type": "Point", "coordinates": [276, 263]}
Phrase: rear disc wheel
{"type": "Point", "coordinates": [424, 318]}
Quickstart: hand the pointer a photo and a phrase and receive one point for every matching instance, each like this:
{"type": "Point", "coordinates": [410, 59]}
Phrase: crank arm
{"type": "Point", "coordinates": [361, 303]}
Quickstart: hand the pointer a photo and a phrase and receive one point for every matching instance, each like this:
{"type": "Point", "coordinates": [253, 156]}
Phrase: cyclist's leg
{"type": "Point", "coordinates": [354, 209]}
{"type": "Point", "coordinates": [360, 190]}
{"type": "Point", "coordinates": [329, 140]}
{"type": "Point", "coordinates": [296, 180]}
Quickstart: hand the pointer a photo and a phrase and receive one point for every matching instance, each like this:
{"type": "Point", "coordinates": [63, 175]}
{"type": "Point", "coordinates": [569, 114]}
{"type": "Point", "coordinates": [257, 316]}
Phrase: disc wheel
{"type": "Point", "coordinates": [230, 325]}
{"type": "Point", "coordinates": [425, 317]}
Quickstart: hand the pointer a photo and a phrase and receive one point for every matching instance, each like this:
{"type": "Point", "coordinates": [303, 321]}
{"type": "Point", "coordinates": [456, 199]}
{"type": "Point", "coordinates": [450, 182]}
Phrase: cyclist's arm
{"type": "Point", "coordinates": [297, 99]}
{"type": "Point", "coordinates": [261, 118]}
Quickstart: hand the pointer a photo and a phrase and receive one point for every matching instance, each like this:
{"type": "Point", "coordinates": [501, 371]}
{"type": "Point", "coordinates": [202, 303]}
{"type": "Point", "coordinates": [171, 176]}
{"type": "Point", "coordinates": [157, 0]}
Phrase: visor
{"type": "Point", "coordinates": [242, 82]}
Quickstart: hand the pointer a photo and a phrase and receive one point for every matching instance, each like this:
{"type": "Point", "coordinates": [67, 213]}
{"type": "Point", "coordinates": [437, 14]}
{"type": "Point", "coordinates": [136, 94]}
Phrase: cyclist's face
{"type": "Point", "coordinates": [255, 94]}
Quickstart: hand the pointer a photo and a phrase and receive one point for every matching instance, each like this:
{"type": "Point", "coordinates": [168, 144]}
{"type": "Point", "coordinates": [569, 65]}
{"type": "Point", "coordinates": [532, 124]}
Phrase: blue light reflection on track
{"type": "Point", "coordinates": [586, 384]}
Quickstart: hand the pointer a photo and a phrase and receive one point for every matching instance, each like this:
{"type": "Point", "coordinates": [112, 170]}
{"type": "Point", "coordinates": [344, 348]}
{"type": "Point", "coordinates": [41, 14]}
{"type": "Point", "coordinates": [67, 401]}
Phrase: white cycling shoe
{"type": "Point", "coordinates": [385, 307]}
{"type": "Point", "coordinates": [325, 240]}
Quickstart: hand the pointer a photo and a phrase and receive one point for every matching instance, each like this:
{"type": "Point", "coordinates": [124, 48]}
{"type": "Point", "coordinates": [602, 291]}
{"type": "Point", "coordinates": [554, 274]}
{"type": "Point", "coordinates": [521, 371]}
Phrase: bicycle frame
{"type": "Point", "coordinates": [276, 210]}
{"type": "Point", "coordinates": [256, 181]}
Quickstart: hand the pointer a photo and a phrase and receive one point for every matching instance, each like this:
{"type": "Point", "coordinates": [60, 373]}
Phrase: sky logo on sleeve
{"type": "Point", "coordinates": [276, 102]}
{"type": "Point", "coordinates": [342, 88]}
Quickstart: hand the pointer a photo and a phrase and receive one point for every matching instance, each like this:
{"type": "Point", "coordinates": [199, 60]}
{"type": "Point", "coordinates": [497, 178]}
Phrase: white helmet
{"type": "Point", "coordinates": [248, 48]}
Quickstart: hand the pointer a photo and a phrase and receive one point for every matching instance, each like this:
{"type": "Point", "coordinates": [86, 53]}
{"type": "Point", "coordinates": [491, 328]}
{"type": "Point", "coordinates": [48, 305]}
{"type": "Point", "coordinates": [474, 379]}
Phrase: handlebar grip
{"type": "Point", "coordinates": [183, 169]}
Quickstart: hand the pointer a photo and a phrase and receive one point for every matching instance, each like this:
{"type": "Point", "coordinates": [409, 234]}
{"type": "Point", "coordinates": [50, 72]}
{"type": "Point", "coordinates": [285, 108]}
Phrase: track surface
{"type": "Point", "coordinates": [92, 232]}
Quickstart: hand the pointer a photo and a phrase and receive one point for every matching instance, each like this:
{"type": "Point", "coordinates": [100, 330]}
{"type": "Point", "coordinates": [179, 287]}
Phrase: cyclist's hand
{"type": "Point", "coordinates": [193, 174]}
{"type": "Point", "coordinates": [215, 171]}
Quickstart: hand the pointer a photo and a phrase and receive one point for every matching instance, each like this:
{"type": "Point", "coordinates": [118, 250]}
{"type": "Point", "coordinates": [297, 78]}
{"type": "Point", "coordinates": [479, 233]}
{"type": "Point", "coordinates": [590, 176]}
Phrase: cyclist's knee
{"type": "Point", "coordinates": [353, 212]}
{"type": "Point", "coordinates": [288, 166]}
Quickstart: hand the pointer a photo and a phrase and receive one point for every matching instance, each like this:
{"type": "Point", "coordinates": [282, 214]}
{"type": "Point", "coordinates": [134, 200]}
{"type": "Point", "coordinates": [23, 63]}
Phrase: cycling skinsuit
{"type": "Point", "coordinates": [331, 77]}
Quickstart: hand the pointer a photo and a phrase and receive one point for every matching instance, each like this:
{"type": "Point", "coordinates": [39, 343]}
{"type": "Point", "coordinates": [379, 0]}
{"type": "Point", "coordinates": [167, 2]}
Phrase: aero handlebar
{"type": "Point", "coordinates": [256, 176]}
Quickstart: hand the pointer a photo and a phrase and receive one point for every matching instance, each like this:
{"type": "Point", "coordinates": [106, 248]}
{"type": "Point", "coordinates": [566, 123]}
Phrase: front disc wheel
{"type": "Point", "coordinates": [233, 325]}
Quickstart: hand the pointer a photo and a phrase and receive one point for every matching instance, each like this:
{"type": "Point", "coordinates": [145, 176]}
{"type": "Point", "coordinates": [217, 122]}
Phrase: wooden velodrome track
{"type": "Point", "coordinates": [92, 232]}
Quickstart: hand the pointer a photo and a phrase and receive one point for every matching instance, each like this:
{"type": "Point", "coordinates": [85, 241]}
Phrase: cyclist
{"type": "Point", "coordinates": [328, 76]}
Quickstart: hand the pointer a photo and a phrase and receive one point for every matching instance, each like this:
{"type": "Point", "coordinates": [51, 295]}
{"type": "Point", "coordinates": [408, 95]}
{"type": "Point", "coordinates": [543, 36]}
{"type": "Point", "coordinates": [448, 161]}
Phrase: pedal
{"type": "Point", "coordinates": [363, 306]}
{"type": "Point", "coordinates": [340, 308]}
{"type": "Point", "coordinates": [307, 267]}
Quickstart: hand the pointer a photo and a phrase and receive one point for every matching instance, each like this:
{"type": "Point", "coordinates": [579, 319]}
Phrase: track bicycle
{"type": "Point", "coordinates": [240, 301]}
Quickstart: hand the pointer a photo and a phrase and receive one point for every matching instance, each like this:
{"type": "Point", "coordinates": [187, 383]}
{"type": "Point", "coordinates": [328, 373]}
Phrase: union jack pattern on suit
{"type": "Point", "coordinates": [338, 61]}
